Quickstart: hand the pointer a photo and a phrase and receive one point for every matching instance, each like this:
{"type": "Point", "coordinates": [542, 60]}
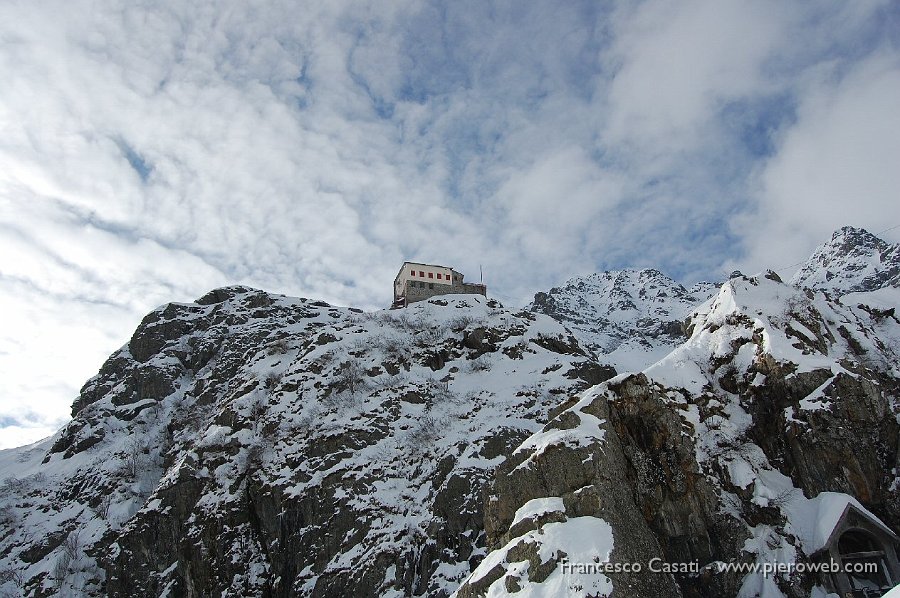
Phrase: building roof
{"type": "Point", "coordinates": [816, 520]}
{"type": "Point", "coordinates": [421, 264]}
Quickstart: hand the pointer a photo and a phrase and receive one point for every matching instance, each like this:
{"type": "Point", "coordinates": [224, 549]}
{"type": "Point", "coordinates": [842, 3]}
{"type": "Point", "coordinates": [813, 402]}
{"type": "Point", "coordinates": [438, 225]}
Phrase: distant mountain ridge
{"type": "Point", "coordinates": [853, 261]}
{"type": "Point", "coordinates": [631, 318]}
{"type": "Point", "coordinates": [626, 318]}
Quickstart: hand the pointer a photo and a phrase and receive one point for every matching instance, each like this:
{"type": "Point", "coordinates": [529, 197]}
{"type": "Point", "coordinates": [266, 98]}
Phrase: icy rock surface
{"type": "Point", "coordinates": [251, 444]}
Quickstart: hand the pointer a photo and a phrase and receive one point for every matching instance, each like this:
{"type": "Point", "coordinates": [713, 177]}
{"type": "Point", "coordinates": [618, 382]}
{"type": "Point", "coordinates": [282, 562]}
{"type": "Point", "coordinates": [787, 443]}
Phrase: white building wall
{"type": "Point", "coordinates": [422, 273]}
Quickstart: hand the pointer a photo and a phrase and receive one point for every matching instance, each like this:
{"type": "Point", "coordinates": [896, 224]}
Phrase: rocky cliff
{"type": "Point", "coordinates": [717, 453]}
{"type": "Point", "coordinates": [251, 444]}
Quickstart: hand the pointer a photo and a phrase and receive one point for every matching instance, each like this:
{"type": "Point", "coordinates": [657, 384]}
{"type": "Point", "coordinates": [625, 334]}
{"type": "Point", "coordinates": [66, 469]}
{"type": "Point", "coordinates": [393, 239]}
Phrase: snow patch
{"type": "Point", "coordinates": [536, 507]}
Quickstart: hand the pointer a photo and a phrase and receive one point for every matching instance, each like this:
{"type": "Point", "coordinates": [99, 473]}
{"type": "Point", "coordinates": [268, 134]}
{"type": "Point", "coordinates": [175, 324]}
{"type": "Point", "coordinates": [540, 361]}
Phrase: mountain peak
{"type": "Point", "coordinates": [850, 240]}
{"type": "Point", "coordinates": [853, 260]}
{"type": "Point", "coordinates": [630, 317]}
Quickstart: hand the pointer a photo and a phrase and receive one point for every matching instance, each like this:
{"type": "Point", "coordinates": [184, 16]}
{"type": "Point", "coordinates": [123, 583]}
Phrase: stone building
{"type": "Point", "coordinates": [416, 282]}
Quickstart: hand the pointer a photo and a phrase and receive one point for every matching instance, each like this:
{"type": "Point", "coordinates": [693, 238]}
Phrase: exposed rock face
{"type": "Point", "coordinates": [627, 318]}
{"type": "Point", "coordinates": [778, 395]}
{"type": "Point", "coordinates": [578, 462]}
{"type": "Point", "coordinates": [854, 260]}
{"type": "Point", "coordinates": [257, 445]}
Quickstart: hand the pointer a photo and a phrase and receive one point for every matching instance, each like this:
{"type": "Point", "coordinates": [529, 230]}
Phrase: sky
{"type": "Point", "coordinates": [151, 151]}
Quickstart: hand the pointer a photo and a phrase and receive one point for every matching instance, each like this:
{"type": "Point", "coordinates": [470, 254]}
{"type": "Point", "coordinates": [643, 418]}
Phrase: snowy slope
{"type": "Point", "coordinates": [255, 444]}
{"type": "Point", "coordinates": [779, 383]}
{"type": "Point", "coordinates": [854, 260]}
{"type": "Point", "coordinates": [627, 318]}
{"type": "Point", "coordinates": [782, 405]}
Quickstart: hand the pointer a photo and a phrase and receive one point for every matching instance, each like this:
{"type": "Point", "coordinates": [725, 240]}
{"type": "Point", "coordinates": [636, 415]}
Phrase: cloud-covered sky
{"type": "Point", "coordinates": [151, 151]}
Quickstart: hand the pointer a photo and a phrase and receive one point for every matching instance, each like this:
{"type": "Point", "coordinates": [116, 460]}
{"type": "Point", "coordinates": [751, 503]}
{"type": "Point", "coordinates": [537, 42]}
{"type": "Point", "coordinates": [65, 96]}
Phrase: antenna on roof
{"type": "Point", "coordinates": [480, 274]}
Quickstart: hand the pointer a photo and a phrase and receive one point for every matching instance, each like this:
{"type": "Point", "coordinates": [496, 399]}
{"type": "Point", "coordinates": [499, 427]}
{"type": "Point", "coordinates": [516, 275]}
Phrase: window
{"type": "Point", "coordinates": [421, 274]}
{"type": "Point", "coordinates": [431, 275]}
{"type": "Point", "coordinates": [430, 285]}
{"type": "Point", "coordinates": [439, 275]}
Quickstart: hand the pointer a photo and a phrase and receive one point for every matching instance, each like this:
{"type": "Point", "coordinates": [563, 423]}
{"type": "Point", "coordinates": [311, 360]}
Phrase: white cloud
{"type": "Point", "coordinates": [151, 152]}
{"type": "Point", "coordinates": [680, 61]}
{"type": "Point", "coordinates": [836, 166]}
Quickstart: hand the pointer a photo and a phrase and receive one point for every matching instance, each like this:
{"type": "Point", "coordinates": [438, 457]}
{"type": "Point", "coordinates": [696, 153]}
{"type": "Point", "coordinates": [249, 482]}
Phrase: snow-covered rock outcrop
{"type": "Point", "coordinates": [251, 444]}
{"type": "Point", "coordinates": [777, 396]}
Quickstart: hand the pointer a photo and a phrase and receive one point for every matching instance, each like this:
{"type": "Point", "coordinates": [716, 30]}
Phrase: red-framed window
{"type": "Point", "coordinates": [431, 275]}
{"type": "Point", "coordinates": [439, 275]}
{"type": "Point", "coordinates": [422, 274]}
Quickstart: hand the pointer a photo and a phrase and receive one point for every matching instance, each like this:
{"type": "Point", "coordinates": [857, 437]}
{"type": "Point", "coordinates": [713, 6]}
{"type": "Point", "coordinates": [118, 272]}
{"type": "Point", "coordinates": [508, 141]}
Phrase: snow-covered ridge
{"type": "Point", "coordinates": [252, 443]}
{"type": "Point", "coordinates": [767, 366]}
{"type": "Point", "coordinates": [807, 329]}
{"type": "Point", "coordinates": [780, 408]}
{"type": "Point", "coordinates": [627, 318]}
